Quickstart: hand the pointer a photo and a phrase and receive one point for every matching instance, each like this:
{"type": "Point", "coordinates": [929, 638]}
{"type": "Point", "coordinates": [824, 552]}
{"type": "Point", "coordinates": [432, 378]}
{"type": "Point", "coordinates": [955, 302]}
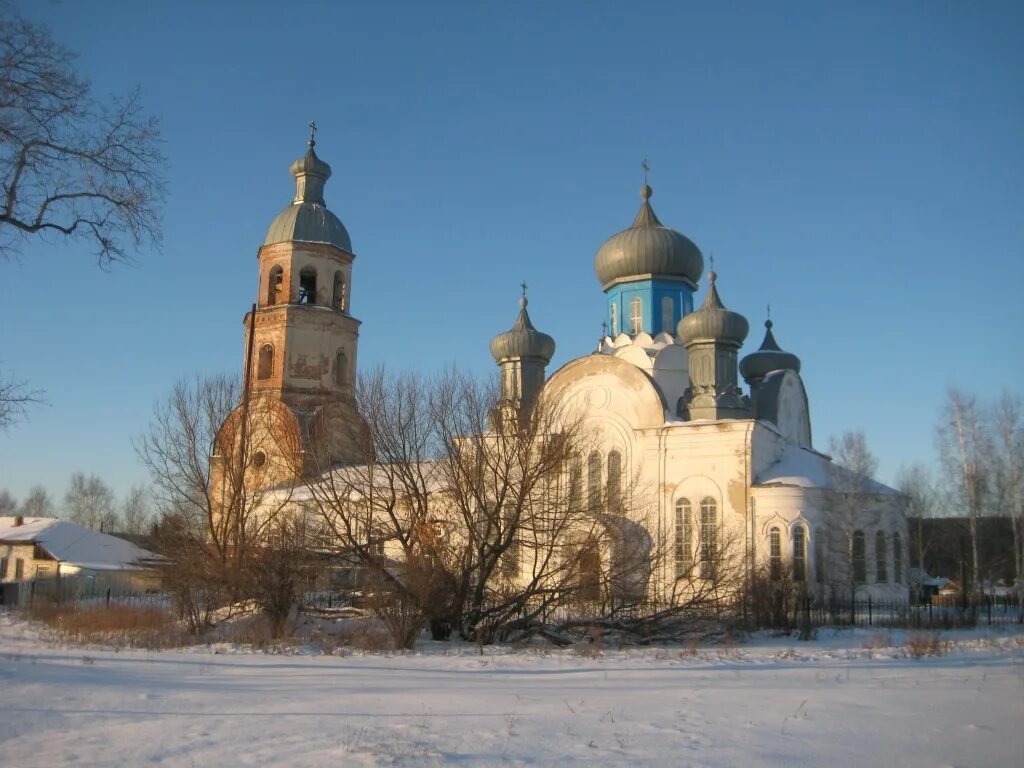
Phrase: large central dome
{"type": "Point", "coordinates": [307, 219]}
{"type": "Point", "coordinates": [648, 248]}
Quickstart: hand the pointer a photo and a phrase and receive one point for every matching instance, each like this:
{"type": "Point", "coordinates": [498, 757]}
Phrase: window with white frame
{"type": "Point", "coordinates": [775, 553]}
{"type": "Point", "coordinates": [799, 553]}
{"type": "Point", "coordinates": [708, 536]}
{"type": "Point", "coordinates": [614, 315]}
{"type": "Point", "coordinates": [636, 315]}
{"type": "Point", "coordinates": [881, 553]}
{"type": "Point", "coordinates": [684, 538]}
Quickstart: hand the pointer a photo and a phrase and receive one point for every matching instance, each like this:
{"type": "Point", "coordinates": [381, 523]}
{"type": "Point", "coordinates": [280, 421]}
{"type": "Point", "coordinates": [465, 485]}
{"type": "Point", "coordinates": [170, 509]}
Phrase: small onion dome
{"type": "Point", "coordinates": [770, 357]}
{"type": "Point", "coordinates": [307, 218]}
{"type": "Point", "coordinates": [523, 340]}
{"type": "Point", "coordinates": [713, 322]}
{"type": "Point", "coordinates": [648, 248]}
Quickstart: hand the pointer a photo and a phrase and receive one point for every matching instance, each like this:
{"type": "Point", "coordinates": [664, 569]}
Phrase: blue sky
{"type": "Point", "coordinates": [859, 166]}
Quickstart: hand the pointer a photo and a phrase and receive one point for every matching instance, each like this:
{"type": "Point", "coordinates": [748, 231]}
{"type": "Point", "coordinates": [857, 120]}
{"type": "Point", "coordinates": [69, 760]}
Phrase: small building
{"type": "Point", "coordinates": [61, 557]}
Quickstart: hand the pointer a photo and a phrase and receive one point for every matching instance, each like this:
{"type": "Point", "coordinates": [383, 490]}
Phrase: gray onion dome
{"type": "Point", "coordinates": [648, 248]}
{"type": "Point", "coordinates": [307, 218]}
{"type": "Point", "coordinates": [770, 357]}
{"type": "Point", "coordinates": [523, 340]}
{"type": "Point", "coordinates": [713, 322]}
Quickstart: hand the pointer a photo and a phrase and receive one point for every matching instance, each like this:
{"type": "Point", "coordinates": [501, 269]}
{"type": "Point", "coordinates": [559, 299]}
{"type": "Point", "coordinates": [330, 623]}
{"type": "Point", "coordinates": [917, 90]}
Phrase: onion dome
{"type": "Point", "coordinates": [648, 248]}
{"type": "Point", "coordinates": [770, 357]}
{"type": "Point", "coordinates": [307, 218]}
{"type": "Point", "coordinates": [523, 340]}
{"type": "Point", "coordinates": [713, 322]}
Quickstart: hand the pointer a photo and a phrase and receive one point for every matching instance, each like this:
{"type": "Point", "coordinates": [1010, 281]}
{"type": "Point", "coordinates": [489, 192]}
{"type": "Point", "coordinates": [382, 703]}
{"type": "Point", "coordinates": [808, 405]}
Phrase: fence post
{"type": "Point", "coordinates": [870, 622]}
{"type": "Point", "coordinates": [988, 607]}
{"type": "Point", "coordinates": [108, 597]}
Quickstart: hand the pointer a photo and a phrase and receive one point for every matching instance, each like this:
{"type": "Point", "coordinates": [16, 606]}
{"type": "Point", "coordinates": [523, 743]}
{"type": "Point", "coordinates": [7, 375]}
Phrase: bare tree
{"type": "Point", "coordinates": [849, 508]}
{"type": "Point", "coordinates": [89, 501]}
{"type": "Point", "coordinates": [72, 167]}
{"type": "Point", "coordinates": [963, 446]}
{"type": "Point", "coordinates": [15, 399]}
{"type": "Point", "coordinates": [1006, 425]}
{"type": "Point", "coordinates": [210, 472]}
{"type": "Point", "coordinates": [478, 522]}
{"type": "Point", "coordinates": [38, 503]}
{"type": "Point", "coordinates": [135, 511]}
{"type": "Point", "coordinates": [8, 504]}
{"type": "Point", "coordinates": [916, 483]}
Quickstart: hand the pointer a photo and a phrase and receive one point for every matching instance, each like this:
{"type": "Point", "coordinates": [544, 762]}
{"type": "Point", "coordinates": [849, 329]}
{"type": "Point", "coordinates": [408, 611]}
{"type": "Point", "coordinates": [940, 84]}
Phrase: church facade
{"type": "Point", "coordinates": [714, 460]}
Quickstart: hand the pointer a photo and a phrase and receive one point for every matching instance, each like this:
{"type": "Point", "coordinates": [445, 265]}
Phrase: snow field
{"type": "Point", "coordinates": [771, 702]}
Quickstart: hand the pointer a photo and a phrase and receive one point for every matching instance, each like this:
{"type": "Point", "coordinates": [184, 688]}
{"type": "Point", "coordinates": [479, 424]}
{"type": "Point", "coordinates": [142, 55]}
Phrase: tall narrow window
{"type": "Point", "coordinates": [667, 313]}
{"type": "Point", "coordinates": [307, 286]}
{"type": "Point", "coordinates": [275, 286]}
{"type": "Point", "coordinates": [775, 553]}
{"type": "Point", "coordinates": [636, 315]}
{"type": "Point", "coordinates": [897, 558]}
{"type": "Point", "coordinates": [575, 483]}
{"type": "Point", "coordinates": [3, 568]}
{"type": "Point", "coordinates": [594, 480]}
{"type": "Point", "coordinates": [265, 368]}
{"type": "Point", "coordinates": [819, 556]}
{"type": "Point", "coordinates": [708, 536]}
{"type": "Point", "coordinates": [19, 569]}
{"type": "Point", "coordinates": [860, 568]}
{"type": "Point", "coordinates": [614, 481]}
{"type": "Point", "coordinates": [614, 315]}
{"type": "Point", "coordinates": [341, 368]}
{"type": "Point", "coordinates": [339, 291]}
{"type": "Point", "coordinates": [684, 538]}
{"type": "Point", "coordinates": [799, 553]}
{"type": "Point", "coordinates": [881, 553]}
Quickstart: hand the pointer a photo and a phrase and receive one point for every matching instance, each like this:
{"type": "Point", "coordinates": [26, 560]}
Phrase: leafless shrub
{"type": "Point", "coordinates": [876, 640]}
{"type": "Point", "coordinates": [921, 644]}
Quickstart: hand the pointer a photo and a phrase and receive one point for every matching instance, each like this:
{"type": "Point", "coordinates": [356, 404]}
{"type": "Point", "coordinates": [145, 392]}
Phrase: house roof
{"type": "Point", "coordinates": [74, 544]}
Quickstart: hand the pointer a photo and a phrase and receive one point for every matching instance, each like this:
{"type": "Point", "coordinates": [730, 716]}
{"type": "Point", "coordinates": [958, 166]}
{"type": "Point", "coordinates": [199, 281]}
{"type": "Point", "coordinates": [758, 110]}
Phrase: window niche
{"type": "Point", "coordinates": [341, 368]}
{"type": "Point", "coordinates": [307, 286]}
{"type": "Point", "coordinates": [265, 363]}
{"type": "Point", "coordinates": [339, 302]}
{"type": "Point", "coordinates": [275, 286]}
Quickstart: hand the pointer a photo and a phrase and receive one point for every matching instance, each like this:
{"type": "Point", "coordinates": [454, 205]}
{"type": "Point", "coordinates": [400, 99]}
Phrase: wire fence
{"type": "Point", "coordinates": [76, 593]}
{"type": "Point", "coordinates": [984, 610]}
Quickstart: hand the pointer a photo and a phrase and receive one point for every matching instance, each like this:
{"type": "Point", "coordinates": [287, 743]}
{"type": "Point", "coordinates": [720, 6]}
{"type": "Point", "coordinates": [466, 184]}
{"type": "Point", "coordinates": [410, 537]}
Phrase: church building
{"type": "Point", "coordinates": [716, 460]}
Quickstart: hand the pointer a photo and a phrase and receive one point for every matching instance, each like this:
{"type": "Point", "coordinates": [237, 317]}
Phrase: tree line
{"type": "Point", "coordinates": [88, 501]}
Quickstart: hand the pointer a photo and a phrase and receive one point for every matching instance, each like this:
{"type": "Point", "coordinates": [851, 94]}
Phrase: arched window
{"type": "Point", "coordinates": [341, 368]}
{"type": "Point", "coordinates": [897, 558]}
{"type": "Point", "coordinates": [636, 315]}
{"type": "Point", "coordinates": [860, 568]}
{"type": "Point", "coordinates": [819, 556]}
{"type": "Point", "coordinates": [666, 314]}
{"type": "Point", "coordinates": [339, 291]}
{"type": "Point", "coordinates": [684, 538]}
{"type": "Point", "coordinates": [275, 286]}
{"type": "Point", "coordinates": [307, 286]}
{"type": "Point", "coordinates": [799, 553]}
{"type": "Point", "coordinates": [265, 367]}
{"type": "Point", "coordinates": [614, 315]}
{"type": "Point", "coordinates": [708, 536]}
{"type": "Point", "coordinates": [594, 480]}
{"type": "Point", "coordinates": [775, 553]}
{"type": "Point", "coordinates": [881, 553]}
{"type": "Point", "coordinates": [614, 481]}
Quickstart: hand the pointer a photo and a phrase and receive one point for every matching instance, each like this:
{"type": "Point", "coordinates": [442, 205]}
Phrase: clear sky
{"type": "Point", "coordinates": [860, 166]}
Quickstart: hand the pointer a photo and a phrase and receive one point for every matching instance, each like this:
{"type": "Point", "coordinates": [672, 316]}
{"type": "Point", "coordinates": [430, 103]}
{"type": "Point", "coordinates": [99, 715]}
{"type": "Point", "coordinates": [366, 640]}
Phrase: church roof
{"type": "Point", "coordinates": [522, 340]}
{"type": "Point", "coordinates": [648, 247]}
{"type": "Point", "coordinates": [804, 468]}
{"type": "Point", "coordinates": [770, 357]}
{"type": "Point", "coordinates": [713, 322]}
{"type": "Point", "coordinates": [307, 219]}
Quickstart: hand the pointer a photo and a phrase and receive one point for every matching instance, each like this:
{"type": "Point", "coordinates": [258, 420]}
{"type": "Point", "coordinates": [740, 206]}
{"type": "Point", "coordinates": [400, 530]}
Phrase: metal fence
{"type": "Point", "coordinates": [939, 614]}
{"type": "Point", "coordinates": [33, 592]}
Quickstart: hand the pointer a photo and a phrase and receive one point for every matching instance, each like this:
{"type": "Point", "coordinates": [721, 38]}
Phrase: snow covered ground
{"type": "Point", "coordinates": [831, 702]}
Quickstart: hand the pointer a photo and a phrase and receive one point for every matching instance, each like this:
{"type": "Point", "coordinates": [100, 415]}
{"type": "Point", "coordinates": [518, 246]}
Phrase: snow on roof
{"type": "Point", "coordinates": [74, 544]}
{"type": "Point", "coordinates": [805, 468]}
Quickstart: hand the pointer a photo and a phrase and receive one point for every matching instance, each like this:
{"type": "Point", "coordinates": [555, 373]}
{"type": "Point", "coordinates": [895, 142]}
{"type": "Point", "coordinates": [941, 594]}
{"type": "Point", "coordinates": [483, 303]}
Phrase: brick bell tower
{"type": "Point", "coordinates": [298, 414]}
